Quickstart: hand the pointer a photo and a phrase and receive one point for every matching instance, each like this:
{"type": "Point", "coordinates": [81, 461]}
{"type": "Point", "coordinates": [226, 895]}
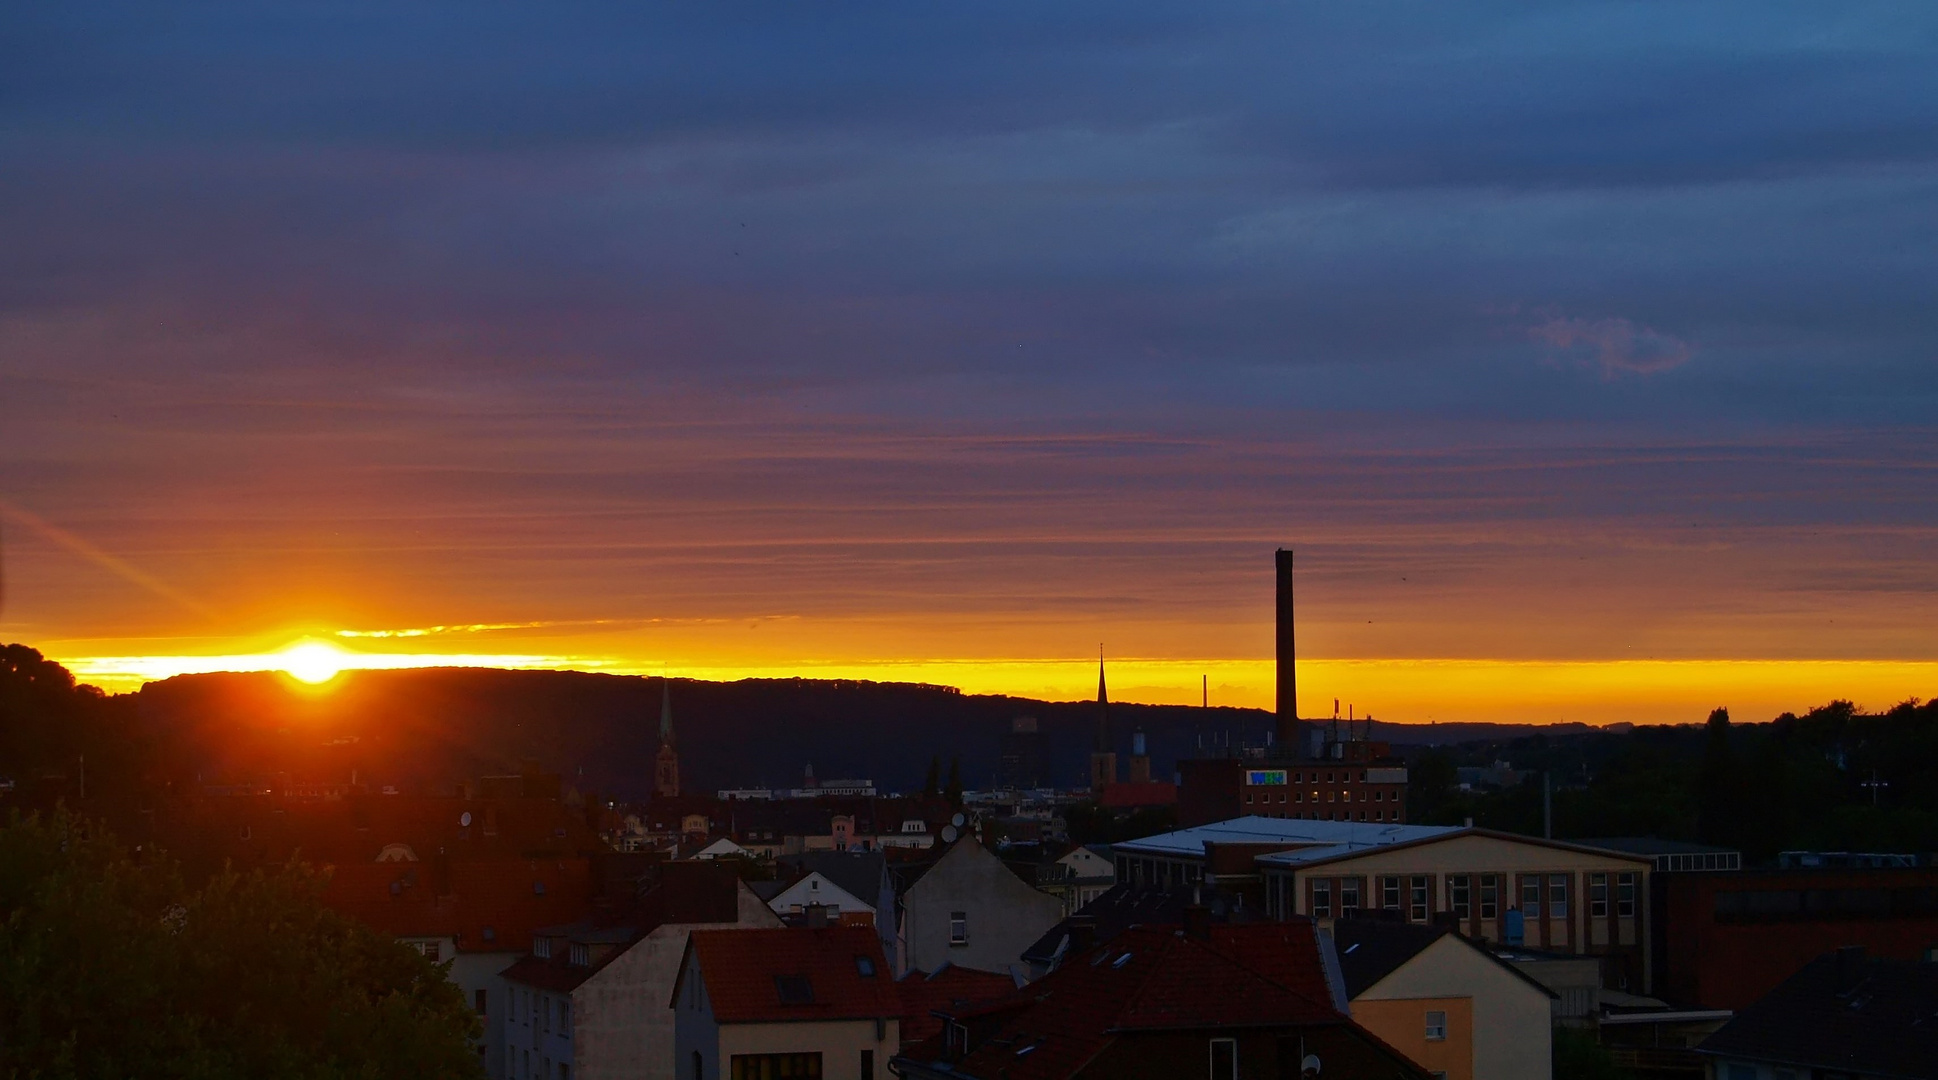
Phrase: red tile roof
{"type": "Point", "coordinates": [1151, 979]}
{"type": "Point", "coordinates": [742, 969]}
{"type": "Point", "coordinates": [489, 906]}
{"type": "Point", "coordinates": [949, 989]}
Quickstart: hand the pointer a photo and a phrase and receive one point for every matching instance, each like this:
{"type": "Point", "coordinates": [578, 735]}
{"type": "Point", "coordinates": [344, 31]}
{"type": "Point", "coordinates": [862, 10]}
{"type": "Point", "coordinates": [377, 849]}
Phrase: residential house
{"type": "Point", "coordinates": [1165, 1002]}
{"type": "Point", "coordinates": [970, 910]}
{"type": "Point", "coordinates": [589, 1002]}
{"type": "Point", "coordinates": [1493, 886]}
{"type": "Point", "coordinates": [787, 1003]}
{"type": "Point", "coordinates": [928, 996]}
{"type": "Point", "coordinates": [1087, 872]}
{"type": "Point", "coordinates": [863, 875]}
{"type": "Point", "coordinates": [1443, 1001]}
{"type": "Point", "coordinates": [476, 916]}
{"type": "Point", "coordinates": [1845, 1015]}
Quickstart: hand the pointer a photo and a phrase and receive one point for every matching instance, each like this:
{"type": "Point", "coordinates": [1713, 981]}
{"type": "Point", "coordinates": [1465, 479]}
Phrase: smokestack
{"type": "Point", "coordinates": [1289, 740]}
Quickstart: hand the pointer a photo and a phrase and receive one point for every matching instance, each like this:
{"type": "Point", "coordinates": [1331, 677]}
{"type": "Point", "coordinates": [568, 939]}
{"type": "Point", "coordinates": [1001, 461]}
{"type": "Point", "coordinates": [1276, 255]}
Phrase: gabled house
{"type": "Point", "coordinates": [816, 890]}
{"type": "Point", "coordinates": [1445, 1002]}
{"type": "Point", "coordinates": [589, 1002]}
{"type": "Point", "coordinates": [788, 1003]}
{"type": "Point", "coordinates": [970, 910]}
{"type": "Point", "coordinates": [1163, 1002]}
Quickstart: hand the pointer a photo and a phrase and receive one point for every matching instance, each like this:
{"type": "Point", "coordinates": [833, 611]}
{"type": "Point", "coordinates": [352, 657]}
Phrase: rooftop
{"type": "Point", "coordinates": [1314, 839]}
{"type": "Point", "coordinates": [1843, 1012]}
{"type": "Point", "coordinates": [794, 973]}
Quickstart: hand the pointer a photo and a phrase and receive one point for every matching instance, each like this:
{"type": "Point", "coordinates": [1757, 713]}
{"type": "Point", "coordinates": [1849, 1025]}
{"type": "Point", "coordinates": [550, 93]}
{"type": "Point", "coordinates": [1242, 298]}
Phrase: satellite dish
{"type": "Point", "coordinates": [956, 821]}
{"type": "Point", "coordinates": [1310, 1066]}
{"type": "Point", "coordinates": [464, 819]}
{"type": "Point", "coordinates": [949, 833]}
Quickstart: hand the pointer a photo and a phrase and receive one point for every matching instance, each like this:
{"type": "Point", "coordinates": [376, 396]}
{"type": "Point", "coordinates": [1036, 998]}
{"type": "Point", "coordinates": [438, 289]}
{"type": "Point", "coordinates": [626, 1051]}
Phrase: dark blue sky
{"type": "Point", "coordinates": [1029, 321]}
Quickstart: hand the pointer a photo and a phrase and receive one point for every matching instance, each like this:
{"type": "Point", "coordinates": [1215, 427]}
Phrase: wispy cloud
{"type": "Point", "coordinates": [1618, 346]}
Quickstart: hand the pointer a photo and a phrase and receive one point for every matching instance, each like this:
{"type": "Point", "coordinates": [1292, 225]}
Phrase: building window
{"type": "Point", "coordinates": [1457, 898]}
{"type": "Point", "coordinates": [1389, 893]}
{"type": "Point", "coordinates": [581, 955]}
{"type": "Point", "coordinates": [699, 1066]}
{"type": "Point", "coordinates": [1598, 895]}
{"type": "Point", "coordinates": [1224, 1059]}
{"type": "Point", "coordinates": [958, 928]}
{"type": "Point", "coordinates": [565, 1071]}
{"type": "Point", "coordinates": [867, 1065]}
{"type": "Point", "coordinates": [1557, 896]}
{"type": "Point", "coordinates": [1322, 899]}
{"type": "Point", "coordinates": [1490, 896]}
{"type": "Point", "coordinates": [1436, 1025]}
{"type": "Point", "coordinates": [479, 997]}
{"type": "Point", "coordinates": [565, 1017]}
{"type": "Point", "coordinates": [545, 1013]}
{"type": "Point", "coordinates": [542, 948]}
{"type": "Point", "coordinates": [1348, 895]}
{"type": "Point", "coordinates": [1531, 895]}
{"type": "Point", "coordinates": [775, 1067]}
{"type": "Point", "coordinates": [1625, 895]}
{"type": "Point", "coordinates": [1417, 908]}
{"type": "Point", "coordinates": [432, 951]}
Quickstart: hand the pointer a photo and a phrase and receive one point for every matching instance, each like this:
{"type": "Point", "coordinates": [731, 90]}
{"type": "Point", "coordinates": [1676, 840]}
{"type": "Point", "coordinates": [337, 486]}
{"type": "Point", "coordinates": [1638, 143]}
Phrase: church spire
{"type": "Point", "coordinates": [666, 764]}
{"type": "Point", "coordinates": [1103, 706]}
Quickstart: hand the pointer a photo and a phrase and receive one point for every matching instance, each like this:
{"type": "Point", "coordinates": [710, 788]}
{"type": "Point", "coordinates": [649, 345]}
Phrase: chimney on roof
{"type": "Point", "coordinates": [1197, 921]}
{"type": "Point", "coordinates": [1288, 733]}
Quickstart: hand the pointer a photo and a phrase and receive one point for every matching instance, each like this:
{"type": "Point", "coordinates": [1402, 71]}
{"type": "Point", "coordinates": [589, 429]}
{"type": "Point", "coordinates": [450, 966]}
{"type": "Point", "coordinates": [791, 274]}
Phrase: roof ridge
{"type": "Point", "coordinates": [1242, 964]}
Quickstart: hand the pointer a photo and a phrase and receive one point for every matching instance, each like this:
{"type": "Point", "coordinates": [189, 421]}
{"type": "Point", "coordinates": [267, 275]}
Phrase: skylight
{"type": "Point", "coordinates": [794, 989]}
{"type": "Point", "coordinates": [1121, 961]}
{"type": "Point", "coordinates": [866, 966]}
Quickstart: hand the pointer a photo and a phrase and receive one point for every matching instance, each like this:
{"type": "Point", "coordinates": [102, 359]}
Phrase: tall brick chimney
{"type": "Point", "coordinates": [1288, 736]}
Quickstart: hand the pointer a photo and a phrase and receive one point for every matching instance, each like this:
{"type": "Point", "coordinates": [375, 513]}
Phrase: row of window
{"type": "Point", "coordinates": [1329, 815]}
{"type": "Point", "coordinates": [521, 1067]}
{"type": "Point", "coordinates": [552, 1014]}
{"type": "Point", "coordinates": [1468, 894]}
{"type": "Point", "coordinates": [1332, 795]}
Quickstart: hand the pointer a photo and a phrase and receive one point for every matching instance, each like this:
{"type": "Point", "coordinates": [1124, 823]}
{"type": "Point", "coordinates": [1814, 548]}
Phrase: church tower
{"type": "Point", "coordinates": [1103, 760]}
{"type": "Point", "coordinates": [666, 765]}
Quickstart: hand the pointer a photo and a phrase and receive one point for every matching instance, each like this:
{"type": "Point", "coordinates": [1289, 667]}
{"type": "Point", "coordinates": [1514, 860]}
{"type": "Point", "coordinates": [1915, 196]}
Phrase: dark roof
{"type": "Point", "coordinates": [946, 990]}
{"type": "Point", "coordinates": [1843, 1012]}
{"type": "Point", "coordinates": [1372, 949]}
{"type": "Point", "coordinates": [744, 972]}
{"type": "Point", "coordinates": [860, 873]}
{"type": "Point", "coordinates": [1123, 906]}
{"type": "Point", "coordinates": [1649, 845]}
{"type": "Point", "coordinates": [1150, 979]}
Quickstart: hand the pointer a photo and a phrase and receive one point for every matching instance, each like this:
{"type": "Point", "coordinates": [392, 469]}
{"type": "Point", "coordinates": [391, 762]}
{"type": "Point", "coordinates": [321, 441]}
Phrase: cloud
{"type": "Point", "coordinates": [1618, 345]}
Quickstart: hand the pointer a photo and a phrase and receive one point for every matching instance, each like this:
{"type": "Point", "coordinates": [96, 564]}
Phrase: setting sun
{"type": "Point", "coordinates": [313, 661]}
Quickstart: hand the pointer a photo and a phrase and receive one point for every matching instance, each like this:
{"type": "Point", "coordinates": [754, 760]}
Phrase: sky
{"type": "Point", "coordinates": [1586, 354]}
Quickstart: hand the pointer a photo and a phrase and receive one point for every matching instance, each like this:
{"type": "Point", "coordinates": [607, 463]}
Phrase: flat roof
{"type": "Point", "coordinates": [1649, 845]}
{"type": "Point", "coordinates": [1326, 838]}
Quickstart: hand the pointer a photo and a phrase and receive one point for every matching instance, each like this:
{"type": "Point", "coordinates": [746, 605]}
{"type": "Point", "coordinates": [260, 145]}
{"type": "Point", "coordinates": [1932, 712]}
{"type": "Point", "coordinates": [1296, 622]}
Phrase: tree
{"type": "Point", "coordinates": [933, 785]}
{"type": "Point", "coordinates": [954, 791]}
{"type": "Point", "coordinates": [110, 967]}
{"type": "Point", "coordinates": [1577, 1056]}
{"type": "Point", "coordinates": [1717, 819]}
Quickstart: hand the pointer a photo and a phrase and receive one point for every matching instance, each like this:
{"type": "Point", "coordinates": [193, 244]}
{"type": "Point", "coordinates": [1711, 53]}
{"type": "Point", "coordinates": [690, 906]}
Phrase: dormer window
{"type": "Point", "coordinates": [581, 955]}
{"type": "Point", "coordinates": [542, 948]}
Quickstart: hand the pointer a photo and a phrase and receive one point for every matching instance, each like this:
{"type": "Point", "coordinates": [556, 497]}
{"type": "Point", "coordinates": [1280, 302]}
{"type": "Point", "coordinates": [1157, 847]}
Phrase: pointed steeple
{"type": "Point", "coordinates": [666, 763]}
{"type": "Point", "coordinates": [666, 712]}
{"type": "Point", "coordinates": [1103, 706]}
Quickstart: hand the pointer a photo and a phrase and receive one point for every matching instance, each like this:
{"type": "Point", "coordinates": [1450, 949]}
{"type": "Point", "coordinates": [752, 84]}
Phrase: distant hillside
{"type": "Point", "coordinates": [439, 725]}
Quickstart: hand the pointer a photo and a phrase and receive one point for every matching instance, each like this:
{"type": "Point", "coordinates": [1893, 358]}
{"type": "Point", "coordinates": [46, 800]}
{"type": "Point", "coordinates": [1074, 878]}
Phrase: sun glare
{"type": "Point", "coordinates": [312, 661]}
